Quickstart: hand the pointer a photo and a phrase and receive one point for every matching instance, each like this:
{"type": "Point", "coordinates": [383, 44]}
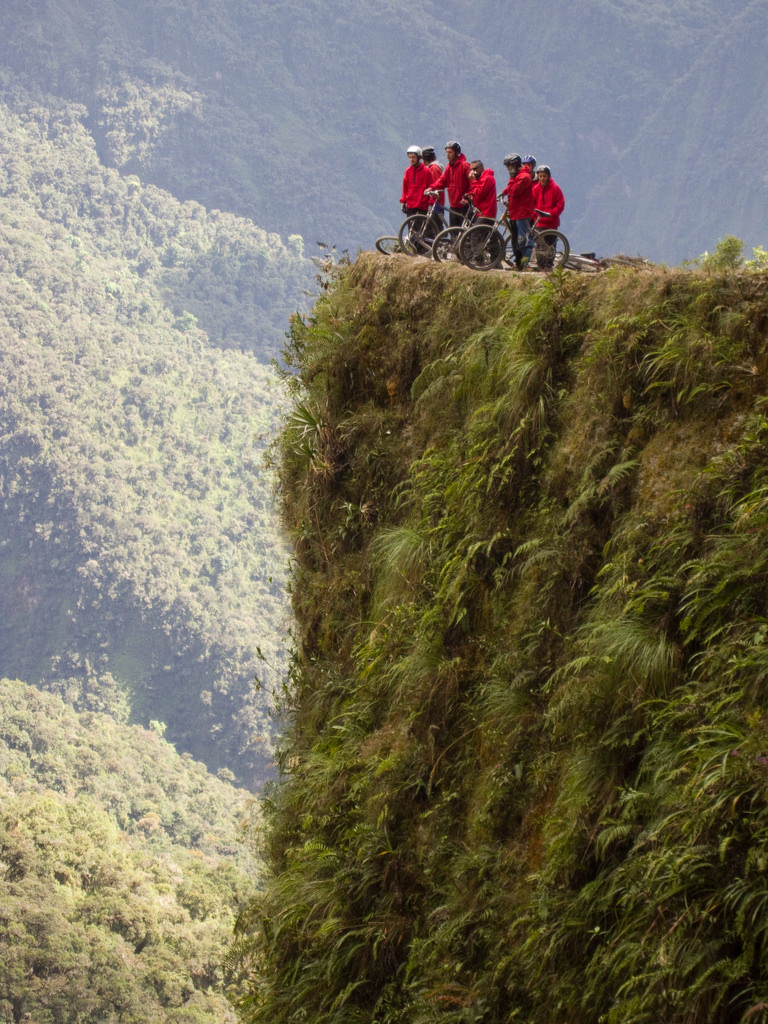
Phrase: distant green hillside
{"type": "Point", "coordinates": [140, 570]}
{"type": "Point", "coordinates": [120, 871]}
{"type": "Point", "coordinates": [527, 756]}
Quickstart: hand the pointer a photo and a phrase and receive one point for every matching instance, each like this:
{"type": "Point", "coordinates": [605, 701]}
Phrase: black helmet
{"type": "Point", "coordinates": [544, 167]}
{"type": "Point", "coordinates": [428, 152]}
{"type": "Point", "coordinates": [453, 145]}
{"type": "Point", "coordinates": [512, 160]}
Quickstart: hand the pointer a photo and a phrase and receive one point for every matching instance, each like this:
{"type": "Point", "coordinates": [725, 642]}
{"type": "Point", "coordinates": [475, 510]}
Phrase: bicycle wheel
{"type": "Point", "coordinates": [388, 244]}
{"type": "Point", "coordinates": [416, 234]}
{"type": "Point", "coordinates": [482, 247]}
{"type": "Point", "coordinates": [445, 248]}
{"type": "Point", "coordinates": [550, 250]}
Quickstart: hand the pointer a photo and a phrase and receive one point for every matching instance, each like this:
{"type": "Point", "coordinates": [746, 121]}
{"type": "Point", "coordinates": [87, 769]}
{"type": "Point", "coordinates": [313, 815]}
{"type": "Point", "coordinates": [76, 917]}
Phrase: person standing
{"type": "Point", "coordinates": [430, 160]}
{"type": "Point", "coordinates": [455, 179]}
{"type": "Point", "coordinates": [415, 181]}
{"type": "Point", "coordinates": [520, 206]}
{"type": "Point", "coordinates": [435, 169]}
{"type": "Point", "coordinates": [547, 196]}
{"type": "Point", "coordinates": [482, 188]}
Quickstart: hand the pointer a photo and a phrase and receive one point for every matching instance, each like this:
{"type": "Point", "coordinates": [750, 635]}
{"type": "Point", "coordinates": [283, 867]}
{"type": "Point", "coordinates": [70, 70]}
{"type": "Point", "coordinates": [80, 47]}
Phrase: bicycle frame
{"type": "Point", "coordinates": [542, 251]}
{"type": "Point", "coordinates": [485, 247]}
{"type": "Point", "coordinates": [418, 232]}
{"type": "Point", "coordinates": [548, 254]}
{"type": "Point", "coordinates": [446, 243]}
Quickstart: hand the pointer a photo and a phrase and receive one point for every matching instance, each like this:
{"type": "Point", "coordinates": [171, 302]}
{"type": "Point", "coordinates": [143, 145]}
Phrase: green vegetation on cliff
{"type": "Point", "coordinates": [121, 870]}
{"type": "Point", "coordinates": [526, 764]}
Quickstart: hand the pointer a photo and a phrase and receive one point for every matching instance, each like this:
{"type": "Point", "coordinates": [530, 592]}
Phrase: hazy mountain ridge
{"type": "Point", "coordinates": [240, 281]}
{"type": "Point", "coordinates": [297, 115]}
{"type": "Point", "coordinates": [685, 172]}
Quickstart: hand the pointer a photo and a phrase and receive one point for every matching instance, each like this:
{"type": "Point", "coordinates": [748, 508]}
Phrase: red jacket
{"type": "Point", "coordinates": [551, 199]}
{"type": "Point", "coordinates": [519, 193]}
{"type": "Point", "coordinates": [436, 170]}
{"type": "Point", "coordinates": [483, 192]}
{"type": "Point", "coordinates": [455, 178]}
{"type": "Point", "coordinates": [415, 180]}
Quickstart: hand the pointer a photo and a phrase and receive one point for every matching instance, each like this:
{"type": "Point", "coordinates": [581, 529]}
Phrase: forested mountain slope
{"type": "Point", "coordinates": [297, 114]}
{"type": "Point", "coordinates": [121, 871]}
{"type": "Point", "coordinates": [525, 773]}
{"type": "Point", "coordinates": [141, 575]}
{"type": "Point", "coordinates": [141, 571]}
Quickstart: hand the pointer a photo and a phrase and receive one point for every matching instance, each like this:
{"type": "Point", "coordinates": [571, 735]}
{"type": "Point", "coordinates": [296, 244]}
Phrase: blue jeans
{"type": "Point", "coordinates": [524, 242]}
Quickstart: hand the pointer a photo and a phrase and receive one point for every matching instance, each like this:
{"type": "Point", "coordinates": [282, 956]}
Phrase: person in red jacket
{"type": "Point", "coordinates": [547, 196]}
{"type": "Point", "coordinates": [431, 161]}
{"type": "Point", "coordinates": [482, 188]}
{"type": "Point", "coordinates": [519, 193]}
{"type": "Point", "coordinates": [435, 169]}
{"type": "Point", "coordinates": [455, 178]}
{"type": "Point", "coordinates": [415, 181]}
{"type": "Point", "coordinates": [437, 203]}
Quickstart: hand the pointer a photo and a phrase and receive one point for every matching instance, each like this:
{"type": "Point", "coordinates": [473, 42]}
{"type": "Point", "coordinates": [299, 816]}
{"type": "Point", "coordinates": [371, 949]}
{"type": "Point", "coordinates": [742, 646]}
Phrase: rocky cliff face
{"type": "Point", "coordinates": [525, 767]}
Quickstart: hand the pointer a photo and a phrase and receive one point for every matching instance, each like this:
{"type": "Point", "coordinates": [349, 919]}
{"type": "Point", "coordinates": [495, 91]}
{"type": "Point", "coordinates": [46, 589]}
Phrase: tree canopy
{"type": "Point", "coordinates": [121, 870]}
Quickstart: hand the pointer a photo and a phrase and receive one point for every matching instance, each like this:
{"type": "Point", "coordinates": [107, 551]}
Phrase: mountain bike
{"type": "Point", "coordinates": [418, 232]}
{"type": "Point", "coordinates": [550, 248]}
{"type": "Point", "coordinates": [445, 248]}
{"type": "Point", "coordinates": [485, 246]}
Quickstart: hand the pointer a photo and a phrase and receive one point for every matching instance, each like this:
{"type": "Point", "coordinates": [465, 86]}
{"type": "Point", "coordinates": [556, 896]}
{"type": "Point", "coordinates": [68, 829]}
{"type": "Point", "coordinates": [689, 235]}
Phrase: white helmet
{"type": "Point", "coordinates": [414, 149]}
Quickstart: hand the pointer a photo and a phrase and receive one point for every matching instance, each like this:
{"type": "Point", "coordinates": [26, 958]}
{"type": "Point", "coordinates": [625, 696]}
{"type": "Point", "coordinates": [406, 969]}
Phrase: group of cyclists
{"type": "Point", "coordinates": [531, 195]}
